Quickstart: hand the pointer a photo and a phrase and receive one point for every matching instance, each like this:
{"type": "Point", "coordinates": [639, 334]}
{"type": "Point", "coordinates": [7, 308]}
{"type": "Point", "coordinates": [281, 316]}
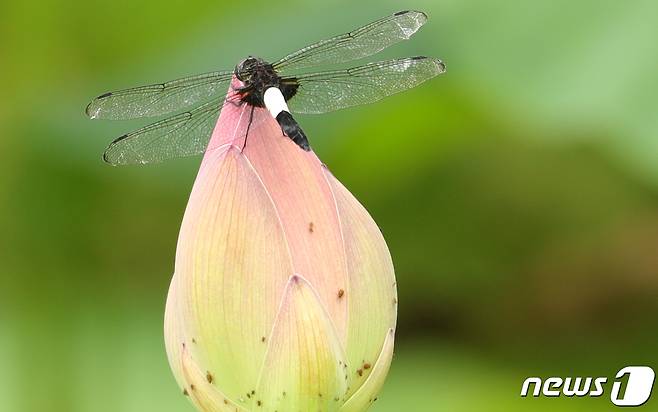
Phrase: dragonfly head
{"type": "Point", "coordinates": [246, 68]}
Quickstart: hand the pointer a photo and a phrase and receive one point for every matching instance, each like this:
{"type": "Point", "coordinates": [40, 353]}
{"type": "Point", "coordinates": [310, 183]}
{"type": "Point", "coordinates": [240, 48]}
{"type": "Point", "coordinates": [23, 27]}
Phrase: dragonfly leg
{"type": "Point", "coordinates": [251, 119]}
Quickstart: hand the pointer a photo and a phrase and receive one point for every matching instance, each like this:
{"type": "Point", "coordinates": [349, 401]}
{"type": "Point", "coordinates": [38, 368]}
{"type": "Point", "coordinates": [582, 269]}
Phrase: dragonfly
{"type": "Point", "coordinates": [196, 101]}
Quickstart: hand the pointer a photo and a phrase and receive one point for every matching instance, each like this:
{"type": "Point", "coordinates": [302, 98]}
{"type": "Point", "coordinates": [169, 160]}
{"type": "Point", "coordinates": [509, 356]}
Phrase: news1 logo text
{"type": "Point", "coordinates": [631, 386]}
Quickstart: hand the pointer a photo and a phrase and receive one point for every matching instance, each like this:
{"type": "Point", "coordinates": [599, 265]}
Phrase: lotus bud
{"type": "Point", "coordinates": [283, 296]}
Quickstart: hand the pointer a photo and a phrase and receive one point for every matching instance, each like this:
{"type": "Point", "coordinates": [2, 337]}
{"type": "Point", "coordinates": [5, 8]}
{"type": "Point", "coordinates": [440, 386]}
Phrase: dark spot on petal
{"type": "Point", "coordinates": [209, 377]}
{"type": "Point", "coordinates": [366, 366]}
{"type": "Point", "coordinates": [262, 339]}
{"type": "Point", "coordinates": [341, 293]}
{"type": "Point", "coordinates": [192, 387]}
{"type": "Point", "coordinates": [185, 392]}
{"type": "Point", "coordinates": [360, 372]}
{"type": "Point", "coordinates": [311, 227]}
{"type": "Point", "coordinates": [259, 403]}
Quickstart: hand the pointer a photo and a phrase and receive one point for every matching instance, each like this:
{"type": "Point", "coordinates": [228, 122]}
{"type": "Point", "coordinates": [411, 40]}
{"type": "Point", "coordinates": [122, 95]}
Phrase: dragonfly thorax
{"type": "Point", "coordinates": [257, 76]}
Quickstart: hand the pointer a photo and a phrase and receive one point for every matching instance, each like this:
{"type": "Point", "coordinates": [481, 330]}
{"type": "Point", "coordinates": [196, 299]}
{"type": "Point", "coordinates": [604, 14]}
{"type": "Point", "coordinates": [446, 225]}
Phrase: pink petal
{"type": "Point", "coordinates": [232, 264]}
{"type": "Point", "coordinates": [371, 291]}
{"type": "Point", "coordinates": [367, 393]}
{"type": "Point", "coordinates": [304, 367]}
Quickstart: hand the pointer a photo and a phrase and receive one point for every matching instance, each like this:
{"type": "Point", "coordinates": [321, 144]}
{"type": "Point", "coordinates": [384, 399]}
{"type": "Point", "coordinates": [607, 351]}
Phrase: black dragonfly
{"type": "Point", "coordinates": [269, 85]}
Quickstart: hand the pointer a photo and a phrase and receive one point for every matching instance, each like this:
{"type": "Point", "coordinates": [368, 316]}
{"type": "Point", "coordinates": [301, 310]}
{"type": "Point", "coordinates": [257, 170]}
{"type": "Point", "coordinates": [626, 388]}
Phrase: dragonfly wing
{"type": "Point", "coordinates": [362, 42]}
{"type": "Point", "coordinates": [184, 134]}
{"type": "Point", "coordinates": [333, 90]}
{"type": "Point", "coordinates": [158, 99]}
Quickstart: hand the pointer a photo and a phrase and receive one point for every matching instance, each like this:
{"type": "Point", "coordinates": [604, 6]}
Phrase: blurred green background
{"type": "Point", "coordinates": [518, 194]}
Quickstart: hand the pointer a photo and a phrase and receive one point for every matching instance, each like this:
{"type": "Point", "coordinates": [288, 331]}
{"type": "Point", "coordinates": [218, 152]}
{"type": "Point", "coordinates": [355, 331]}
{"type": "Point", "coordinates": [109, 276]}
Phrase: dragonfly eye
{"type": "Point", "coordinates": [245, 68]}
{"type": "Point", "coordinates": [243, 75]}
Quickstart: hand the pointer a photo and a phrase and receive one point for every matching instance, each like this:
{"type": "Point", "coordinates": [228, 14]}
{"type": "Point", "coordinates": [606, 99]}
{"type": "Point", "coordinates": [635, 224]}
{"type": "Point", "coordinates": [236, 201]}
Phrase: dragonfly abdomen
{"type": "Point", "coordinates": [276, 105]}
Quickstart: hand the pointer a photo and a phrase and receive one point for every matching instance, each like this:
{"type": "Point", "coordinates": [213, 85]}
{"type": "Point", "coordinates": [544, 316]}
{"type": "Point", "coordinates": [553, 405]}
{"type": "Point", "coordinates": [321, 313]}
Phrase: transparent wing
{"type": "Point", "coordinates": [362, 42]}
{"type": "Point", "coordinates": [184, 134]}
{"type": "Point", "coordinates": [158, 99]}
{"type": "Point", "coordinates": [332, 90]}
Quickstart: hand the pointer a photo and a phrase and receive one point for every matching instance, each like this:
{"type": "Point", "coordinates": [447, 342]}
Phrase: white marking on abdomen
{"type": "Point", "coordinates": [275, 102]}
